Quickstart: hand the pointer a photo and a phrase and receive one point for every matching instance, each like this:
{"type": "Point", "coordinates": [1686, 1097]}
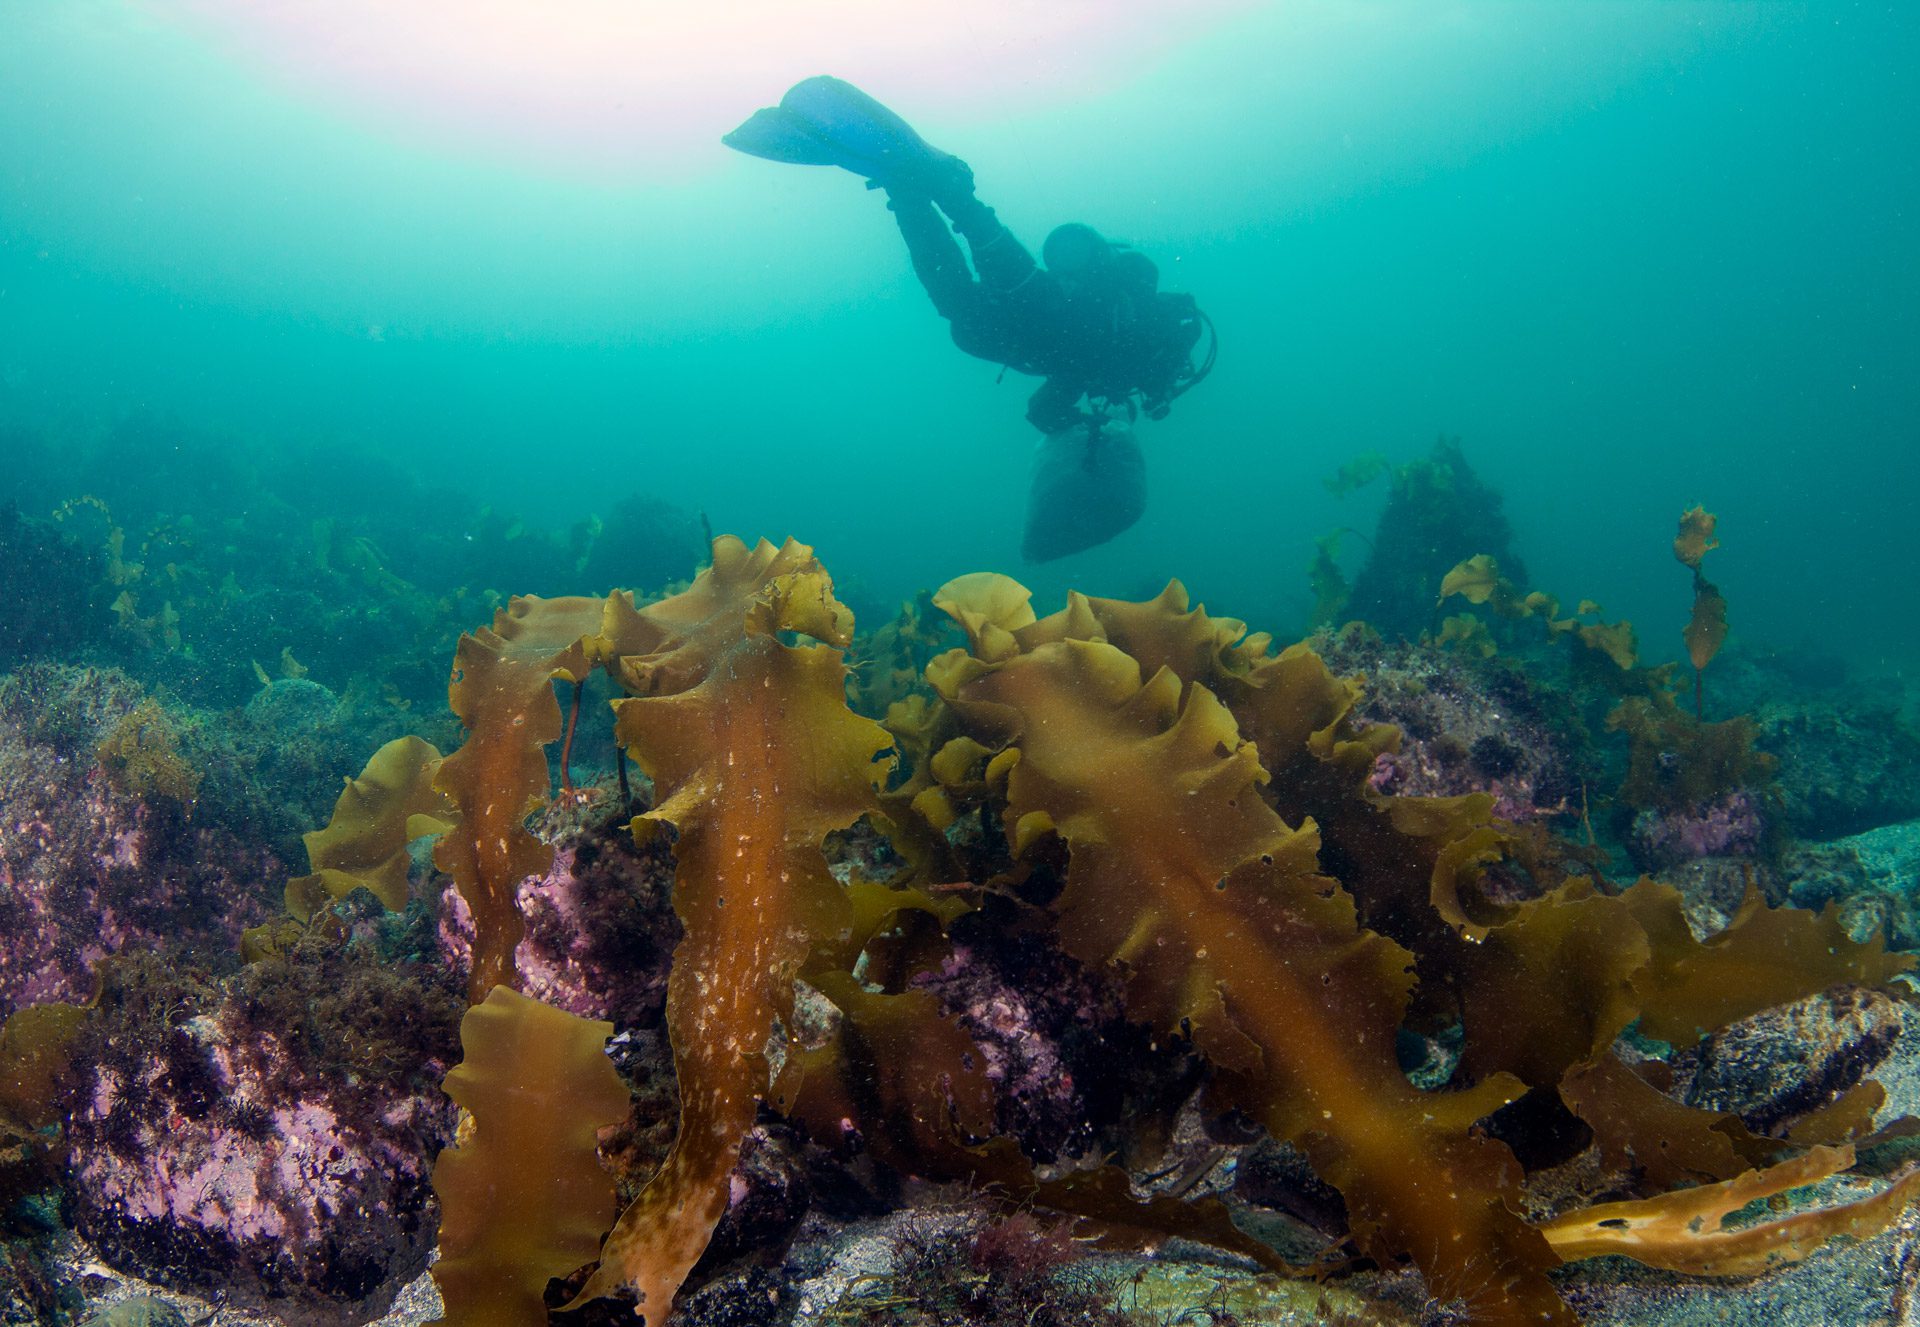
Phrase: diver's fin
{"type": "Point", "coordinates": [827, 121]}
{"type": "Point", "coordinates": [779, 135]}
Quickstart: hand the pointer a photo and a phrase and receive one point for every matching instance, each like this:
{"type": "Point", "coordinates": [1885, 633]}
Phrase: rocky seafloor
{"type": "Point", "coordinates": [244, 1126]}
{"type": "Point", "coordinates": [252, 1143]}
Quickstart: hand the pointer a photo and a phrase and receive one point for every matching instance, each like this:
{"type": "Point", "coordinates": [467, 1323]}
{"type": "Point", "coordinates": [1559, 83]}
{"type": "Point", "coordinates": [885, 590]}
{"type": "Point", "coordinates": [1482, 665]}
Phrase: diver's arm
{"type": "Point", "coordinates": [1055, 406]}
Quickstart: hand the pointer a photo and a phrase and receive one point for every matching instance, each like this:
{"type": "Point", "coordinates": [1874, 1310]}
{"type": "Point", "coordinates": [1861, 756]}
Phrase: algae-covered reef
{"type": "Point", "coordinates": [1180, 810]}
{"type": "Point", "coordinates": [1119, 920]}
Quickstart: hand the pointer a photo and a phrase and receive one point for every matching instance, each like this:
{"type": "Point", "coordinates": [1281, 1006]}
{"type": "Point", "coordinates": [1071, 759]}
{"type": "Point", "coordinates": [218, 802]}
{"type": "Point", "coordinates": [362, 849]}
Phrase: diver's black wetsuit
{"type": "Point", "coordinates": [1107, 344]}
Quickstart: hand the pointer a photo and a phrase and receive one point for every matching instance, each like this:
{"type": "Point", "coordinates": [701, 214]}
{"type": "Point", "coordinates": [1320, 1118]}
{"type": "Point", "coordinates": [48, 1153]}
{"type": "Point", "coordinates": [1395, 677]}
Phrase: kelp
{"type": "Point", "coordinates": [1569, 971]}
{"type": "Point", "coordinates": [1689, 1231]}
{"type": "Point", "coordinates": [523, 1196]}
{"type": "Point", "coordinates": [1331, 589]}
{"type": "Point", "coordinates": [1479, 581]}
{"type": "Point", "coordinates": [33, 1056]}
{"type": "Point", "coordinates": [1212, 906]}
{"type": "Point", "coordinates": [1706, 629]}
{"type": "Point", "coordinates": [1544, 986]}
{"type": "Point", "coordinates": [755, 758]}
{"type": "Point", "coordinates": [1225, 855]}
{"type": "Point", "coordinates": [364, 845]}
{"type": "Point", "coordinates": [914, 1080]}
{"type": "Point", "coordinates": [1678, 762]}
{"type": "Point", "coordinates": [502, 691]}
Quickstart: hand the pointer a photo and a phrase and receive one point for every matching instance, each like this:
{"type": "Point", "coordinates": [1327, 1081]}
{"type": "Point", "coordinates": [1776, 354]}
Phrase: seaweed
{"type": "Point", "coordinates": [502, 690]}
{"type": "Point", "coordinates": [1706, 628]}
{"type": "Point", "coordinates": [1676, 762]}
{"type": "Point", "coordinates": [755, 758]}
{"type": "Point", "coordinates": [1438, 512]}
{"type": "Point", "coordinates": [141, 756]}
{"type": "Point", "coordinates": [1182, 875]}
{"type": "Point", "coordinates": [1690, 1231]}
{"type": "Point", "coordinates": [523, 1196]}
{"type": "Point", "coordinates": [364, 845]}
{"type": "Point", "coordinates": [1170, 802]}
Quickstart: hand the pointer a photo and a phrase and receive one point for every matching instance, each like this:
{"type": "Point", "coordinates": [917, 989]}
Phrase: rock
{"type": "Point", "coordinates": [1466, 726]}
{"type": "Point", "coordinates": [1875, 877]}
{"type": "Point", "coordinates": [92, 864]}
{"type": "Point", "coordinates": [768, 1194]}
{"type": "Point", "coordinates": [1052, 1039]}
{"type": "Point", "coordinates": [264, 1139]}
{"type": "Point", "coordinates": [138, 1311]}
{"type": "Point", "coordinates": [1728, 826]}
{"type": "Point", "coordinates": [1776, 1066]}
{"type": "Point", "coordinates": [1842, 770]}
{"type": "Point", "coordinates": [1712, 889]}
{"type": "Point", "coordinates": [600, 925]}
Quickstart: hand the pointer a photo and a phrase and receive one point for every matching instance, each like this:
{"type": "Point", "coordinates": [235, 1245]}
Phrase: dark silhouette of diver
{"type": "Point", "coordinates": [1092, 322]}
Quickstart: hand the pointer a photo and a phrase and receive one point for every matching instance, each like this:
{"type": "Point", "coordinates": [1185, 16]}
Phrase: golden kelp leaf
{"type": "Point", "coordinates": [1676, 762]}
{"type": "Point", "coordinates": [33, 1056]}
{"type": "Point", "coordinates": [873, 908]}
{"type": "Point", "coordinates": [1459, 857]}
{"type": "Point", "coordinates": [502, 690]}
{"type": "Point", "coordinates": [274, 939]}
{"type": "Point", "coordinates": [1549, 988]}
{"type": "Point", "coordinates": [1613, 639]}
{"type": "Point", "coordinates": [989, 607]}
{"type": "Point", "coordinates": [669, 646]}
{"type": "Point", "coordinates": [495, 780]}
{"type": "Point", "coordinates": [961, 762]}
{"type": "Point", "coordinates": [1847, 1118]}
{"type": "Point", "coordinates": [1765, 957]}
{"type": "Point", "coordinates": [1476, 580]}
{"type": "Point", "coordinates": [559, 634]}
{"type": "Point", "coordinates": [1687, 1231]}
{"type": "Point", "coordinates": [1183, 877]}
{"type": "Point", "coordinates": [1467, 634]}
{"type": "Point", "coordinates": [1163, 632]}
{"type": "Point", "coordinates": [1696, 538]}
{"type": "Point", "coordinates": [1670, 1143]}
{"type": "Point", "coordinates": [523, 1199]}
{"type": "Point", "coordinates": [1357, 473]}
{"type": "Point", "coordinates": [364, 845]}
{"type": "Point", "coordinates": [923, 1075]}
{"type": "Point", "coordinates": [754, 767]}
{"type": "Point", "coordinates": [1706, 630]}
{"type": "Point", "coordinates": [1299, 715]}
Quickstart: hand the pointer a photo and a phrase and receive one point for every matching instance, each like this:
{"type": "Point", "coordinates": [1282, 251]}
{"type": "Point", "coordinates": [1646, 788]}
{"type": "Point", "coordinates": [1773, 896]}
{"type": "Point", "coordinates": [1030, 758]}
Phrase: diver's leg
{"type": "Point", "coordinates": [936, 255]}
{"type": "Point", "coordinates": [1002, 261]}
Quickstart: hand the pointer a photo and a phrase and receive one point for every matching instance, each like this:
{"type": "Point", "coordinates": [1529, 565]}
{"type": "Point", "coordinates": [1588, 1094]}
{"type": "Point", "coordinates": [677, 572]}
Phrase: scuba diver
{"type": "Point", "coordinates": [1092, 322]}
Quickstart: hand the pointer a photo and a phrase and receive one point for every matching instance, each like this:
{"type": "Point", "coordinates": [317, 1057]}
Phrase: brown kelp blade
{"type": "Point", "coordinates": [523, 1196]}
{"type": "Point", "coordinates": [1688, 1231]}
{"type": "Point", "coordinates": [1182, 877]}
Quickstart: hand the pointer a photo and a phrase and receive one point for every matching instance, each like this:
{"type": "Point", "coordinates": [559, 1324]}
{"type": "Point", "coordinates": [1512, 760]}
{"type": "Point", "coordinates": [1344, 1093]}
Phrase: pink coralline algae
{"type": "Point", "coordinates": [209, 1157]}
{"type": "Point", "coordinates": [1038, 1021]}
{"type": "Point", "coordinates": [1464, 728]}
{"type": "Point", "coordinates": [600, 922]}
{"type": "Point", "coordinates": [1730, 826]}
{"type": "Point", "coordinates": [88, 870]}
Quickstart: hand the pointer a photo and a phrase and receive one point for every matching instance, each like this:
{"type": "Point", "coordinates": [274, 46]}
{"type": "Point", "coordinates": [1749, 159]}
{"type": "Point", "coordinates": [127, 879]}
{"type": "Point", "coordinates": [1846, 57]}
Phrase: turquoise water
{"type": "Point", "coordinates": [1636, 255]}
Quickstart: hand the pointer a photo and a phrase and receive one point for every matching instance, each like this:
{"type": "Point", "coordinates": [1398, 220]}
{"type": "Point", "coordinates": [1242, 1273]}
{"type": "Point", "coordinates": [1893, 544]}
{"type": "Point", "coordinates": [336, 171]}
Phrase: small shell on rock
{"type": "Point", "coordinates": [138, 1311]}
